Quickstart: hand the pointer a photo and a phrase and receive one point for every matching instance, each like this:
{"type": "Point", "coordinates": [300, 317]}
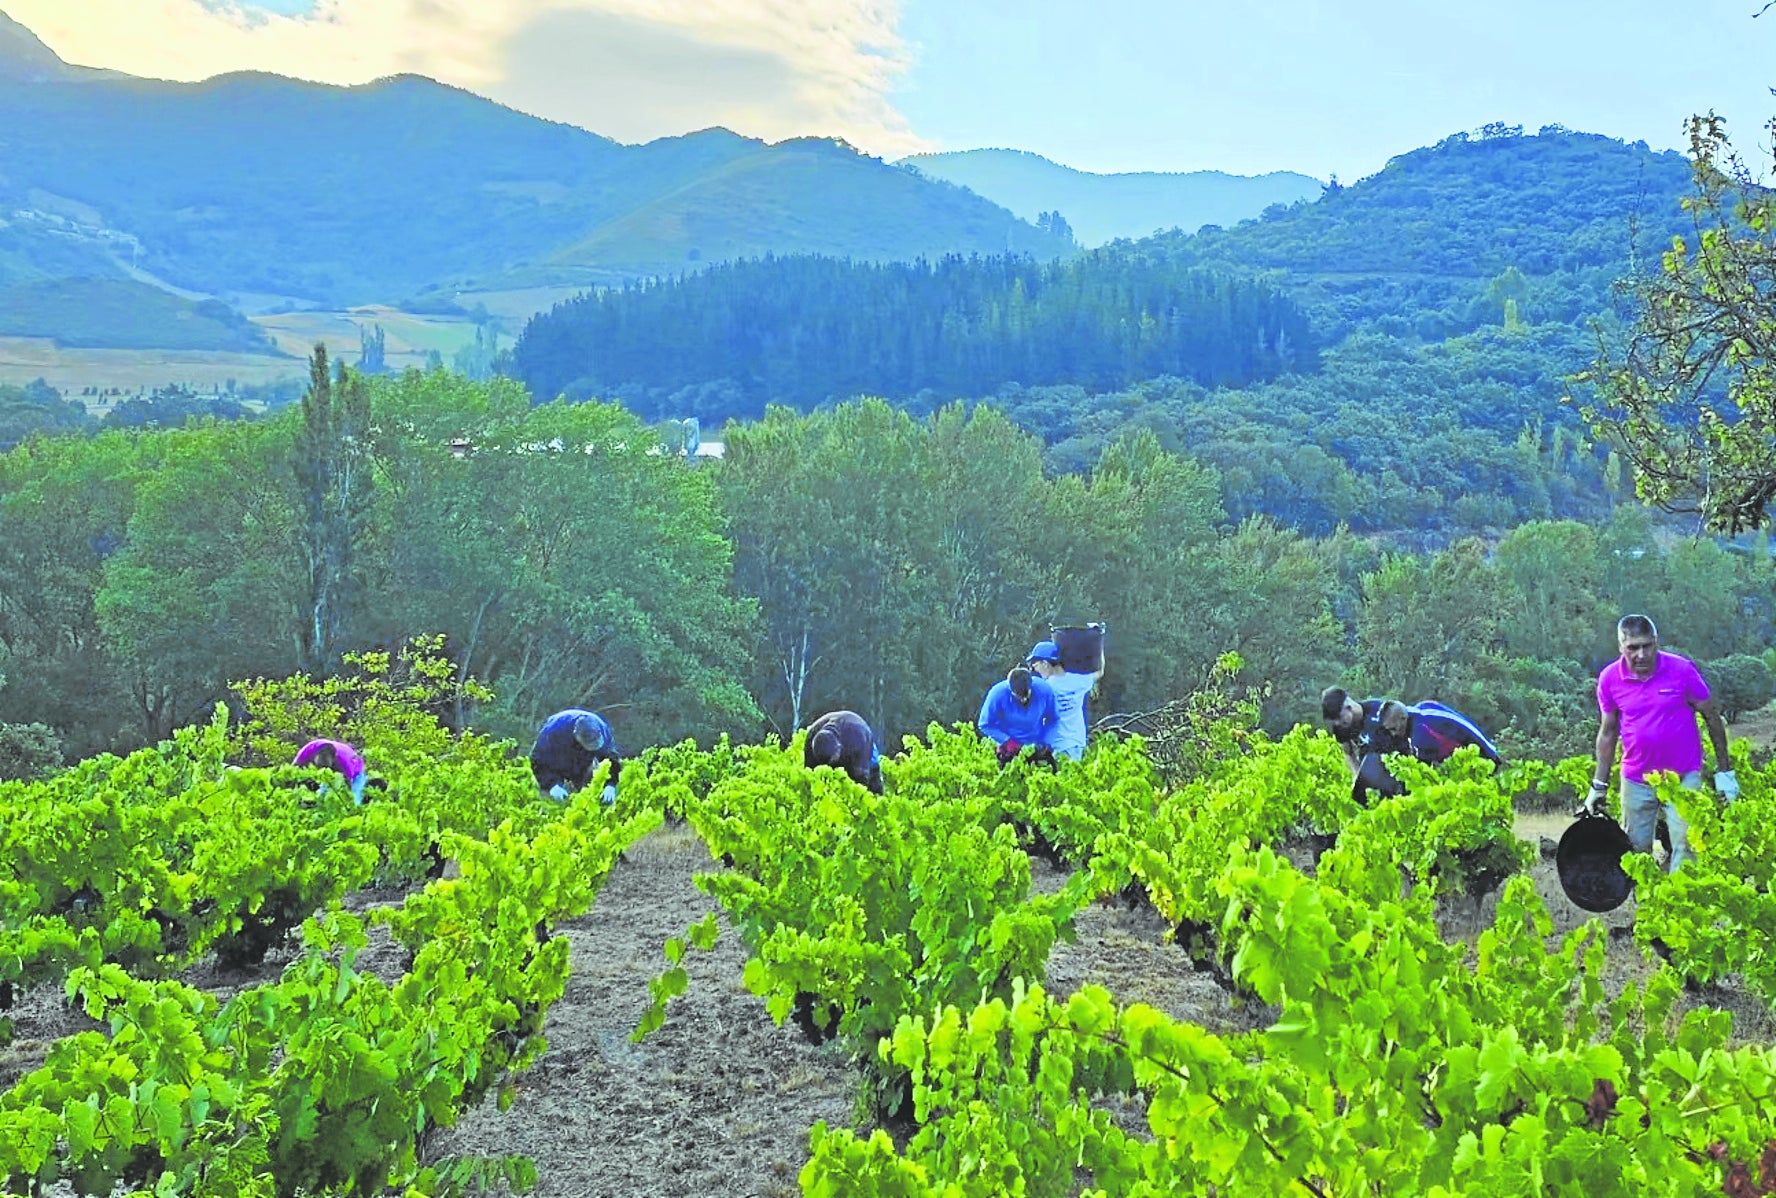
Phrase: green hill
{"type": "Point", "coordinates": [1452, 294]}
{"type": "Point", "coordinates": [737, 208]}
{"type": "Point", "coordinates": [1439, 243]}
{"type": "Point", "coordinates": [1435, 242]}
{"type": "Point", "coordinates": [1103, 208]}
{"type": "Point", "coordinates": [124, 314]}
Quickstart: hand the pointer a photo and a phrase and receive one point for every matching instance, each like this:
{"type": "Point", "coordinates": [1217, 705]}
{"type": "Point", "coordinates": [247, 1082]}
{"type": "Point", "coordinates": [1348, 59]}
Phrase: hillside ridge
{"type": "Point", "coordinates": [1102, 207]}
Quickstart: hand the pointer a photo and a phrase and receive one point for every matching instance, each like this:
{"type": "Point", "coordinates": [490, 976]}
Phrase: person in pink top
{"type": "Point", "coordinates": [338, 756]}
{"type": "Point", "coordinates": [1650, 700]}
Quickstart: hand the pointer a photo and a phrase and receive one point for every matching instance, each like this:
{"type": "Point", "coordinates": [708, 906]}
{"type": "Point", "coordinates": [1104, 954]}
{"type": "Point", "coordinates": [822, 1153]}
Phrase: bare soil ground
{"type": "Point", "coordinates": [1758, 727]}
{"type": "Point", "coordinates": [719, 1101]}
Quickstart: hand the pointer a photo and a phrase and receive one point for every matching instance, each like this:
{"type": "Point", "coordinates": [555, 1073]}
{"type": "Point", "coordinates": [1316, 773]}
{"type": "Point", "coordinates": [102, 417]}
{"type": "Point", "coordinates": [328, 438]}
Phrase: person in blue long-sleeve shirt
{"type": "Point", "coordinates": [1018, 712]}
{"type": "Point", "coordinates": [568, 748]}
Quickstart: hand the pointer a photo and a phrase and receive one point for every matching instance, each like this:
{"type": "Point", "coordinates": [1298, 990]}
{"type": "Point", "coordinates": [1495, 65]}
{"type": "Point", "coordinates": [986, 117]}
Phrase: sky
{"type": "Point", "coordinates": [1324, 87]}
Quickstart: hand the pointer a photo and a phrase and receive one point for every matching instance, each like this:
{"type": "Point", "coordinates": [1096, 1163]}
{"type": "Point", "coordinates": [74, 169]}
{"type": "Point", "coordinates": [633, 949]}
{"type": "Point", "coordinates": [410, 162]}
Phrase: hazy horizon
{"type": "Point", "coordinates": [1159, 86]}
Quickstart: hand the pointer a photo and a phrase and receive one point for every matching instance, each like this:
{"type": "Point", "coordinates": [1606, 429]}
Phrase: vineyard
{"type": "Point", "coordinates": [276, 991]}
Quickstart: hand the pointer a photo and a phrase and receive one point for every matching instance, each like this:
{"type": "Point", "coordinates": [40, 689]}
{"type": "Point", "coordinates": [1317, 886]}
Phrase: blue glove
{"type": "Point", "coordinates": [1727, 785]}
{"type": "Point", "coordinates": [558, 792]}
{"type": "Point", "coordinates": [610, 793]}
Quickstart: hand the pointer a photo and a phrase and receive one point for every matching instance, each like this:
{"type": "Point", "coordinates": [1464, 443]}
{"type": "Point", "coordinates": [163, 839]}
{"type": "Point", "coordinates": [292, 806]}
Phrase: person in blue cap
{"type": "Point", "coordinates": [843, 739]}
{"type": "Point", "coordinates": [568, 748]}
{"type": "Point", "coordinates": [1067, 736]}
{"type": "Point", "coordinates": [1017, 714]}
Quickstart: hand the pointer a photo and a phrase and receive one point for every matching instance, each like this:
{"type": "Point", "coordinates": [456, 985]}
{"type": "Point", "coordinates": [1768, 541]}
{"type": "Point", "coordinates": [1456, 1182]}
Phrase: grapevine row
{"type": "Point", "coordinates": [330, 1078]}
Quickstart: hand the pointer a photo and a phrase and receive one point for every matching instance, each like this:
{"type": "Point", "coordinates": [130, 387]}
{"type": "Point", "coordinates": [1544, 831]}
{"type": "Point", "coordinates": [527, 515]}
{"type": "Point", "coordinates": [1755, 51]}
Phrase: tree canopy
{"type": "Point", "coordinates": [805, 330]}
{"type": "Point", "coordinates": [1692, 399]}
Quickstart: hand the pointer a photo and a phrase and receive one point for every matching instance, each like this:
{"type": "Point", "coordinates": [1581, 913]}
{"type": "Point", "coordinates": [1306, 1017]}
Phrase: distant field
{"type": "Point", "coordinates": [406, 337]}
{"type": "Point", "coordinates": [515, 307]}
{"type": "Point", "coordinates": [73, 370]}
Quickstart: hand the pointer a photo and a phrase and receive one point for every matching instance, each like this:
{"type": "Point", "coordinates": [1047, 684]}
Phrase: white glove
{"type": "Point", "coordinates": [1727, 785]}
{"type": "Point", "coordinates": [610, 793]}
{"type": "Point", "coordinates": [1593, 804]}
{"type": "Point", "coordinates": [558, 792]}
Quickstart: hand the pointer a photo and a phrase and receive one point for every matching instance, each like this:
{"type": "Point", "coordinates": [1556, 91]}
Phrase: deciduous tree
{"type": "Point", "coordinates": [1692, 398]}
{"type": "Point", "coordinates": [65, 506]}
{"type": "Point", "coordinates": [208, 586]}
{"type": "Point", "coordinates": [1552, 573]}
{"type": "Point", "coordinates": [568, 564]}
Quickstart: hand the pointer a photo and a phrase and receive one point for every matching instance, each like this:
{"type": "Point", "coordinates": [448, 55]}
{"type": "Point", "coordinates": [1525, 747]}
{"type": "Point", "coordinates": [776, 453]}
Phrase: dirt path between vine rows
{"type": "Point", "coordinates": [719, 1101]}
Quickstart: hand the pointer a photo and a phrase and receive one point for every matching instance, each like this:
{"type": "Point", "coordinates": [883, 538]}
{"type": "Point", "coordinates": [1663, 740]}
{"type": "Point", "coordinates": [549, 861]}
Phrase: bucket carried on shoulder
{"type": "Point", "coordinates": [1082, 649]}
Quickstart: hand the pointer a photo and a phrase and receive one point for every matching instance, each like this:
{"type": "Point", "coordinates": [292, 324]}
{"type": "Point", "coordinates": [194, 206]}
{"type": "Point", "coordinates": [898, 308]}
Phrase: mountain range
{"type": "Point", "coordinates": [265, 190]}
{"type": "Point", "coordinates": [1500, 229]}
{"type": "Point", "coordinates": [1102, 208]}
{"type": "Point", "coordinates": [269, 193]}
{"type": "Point", "coordinates": [142, 213]}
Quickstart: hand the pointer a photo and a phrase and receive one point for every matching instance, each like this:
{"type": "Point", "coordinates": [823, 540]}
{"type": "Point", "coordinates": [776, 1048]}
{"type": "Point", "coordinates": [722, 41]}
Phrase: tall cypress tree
{"type": "Point", "coordinates": [334, 485]}
{"type": "Point", "coordinates": [372, 347]}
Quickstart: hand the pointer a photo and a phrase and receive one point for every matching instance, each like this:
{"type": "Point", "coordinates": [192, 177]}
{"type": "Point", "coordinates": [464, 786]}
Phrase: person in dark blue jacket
{"type": "Point", "coordinates": [843, 739]}
{"type": "Point", "coordinates": [1017, 714]}
{"type": "Point", "coordinates": [1365, 736]}
{"type": "Point", "coordinates": [1435, 732]}
{"type": "Point", "coordinates": [1370, 729]}
{"type": "Point", "coordinates": [568, 748]}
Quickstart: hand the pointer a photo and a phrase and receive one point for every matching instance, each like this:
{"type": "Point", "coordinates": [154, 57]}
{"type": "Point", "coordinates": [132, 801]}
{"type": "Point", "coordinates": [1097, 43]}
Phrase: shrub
{"type": "Point", "coordinates": [1741, 683]}
{"type": "Point", "coordinates": [28, 752]}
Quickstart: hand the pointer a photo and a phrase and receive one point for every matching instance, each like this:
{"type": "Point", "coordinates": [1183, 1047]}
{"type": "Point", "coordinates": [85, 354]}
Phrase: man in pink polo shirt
{"type": "Point", "coordinates": [1649, 702]}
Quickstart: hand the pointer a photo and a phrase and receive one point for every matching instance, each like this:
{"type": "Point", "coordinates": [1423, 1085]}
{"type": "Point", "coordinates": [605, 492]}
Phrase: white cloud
{"type": "Point", "coordinates": [631, 69]}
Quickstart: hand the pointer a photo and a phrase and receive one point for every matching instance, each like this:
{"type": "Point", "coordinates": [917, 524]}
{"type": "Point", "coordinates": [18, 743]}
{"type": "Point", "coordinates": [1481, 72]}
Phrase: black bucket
{"type": "Point", "coordinates": [1373, 774]}
{"type": "Point", "coordinates": [1082, 649]}
{"type": "Point", "coordinates": [1590, 863]}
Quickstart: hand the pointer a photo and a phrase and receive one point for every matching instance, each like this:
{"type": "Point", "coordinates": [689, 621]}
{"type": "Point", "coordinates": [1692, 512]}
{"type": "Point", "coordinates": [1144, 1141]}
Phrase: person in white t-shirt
{"type": "Point", "coordinates": [1067, 735]}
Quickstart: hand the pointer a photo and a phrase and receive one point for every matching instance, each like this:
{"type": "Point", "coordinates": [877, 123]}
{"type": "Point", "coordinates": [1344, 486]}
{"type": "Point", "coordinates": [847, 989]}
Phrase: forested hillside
{"type": "Point", "coordinates": [805, 330]}
{"type": "Point", "coordinates": [1391, 435]}
{"type": "Point", "coordinates": [1439, 239]}
{"type": "Point", "coordinates": [1456, 290]}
